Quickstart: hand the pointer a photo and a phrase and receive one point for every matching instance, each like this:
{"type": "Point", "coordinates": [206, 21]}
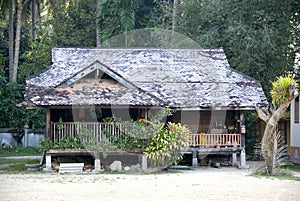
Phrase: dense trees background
{"type": "Point", "coordinates": [260, 37]}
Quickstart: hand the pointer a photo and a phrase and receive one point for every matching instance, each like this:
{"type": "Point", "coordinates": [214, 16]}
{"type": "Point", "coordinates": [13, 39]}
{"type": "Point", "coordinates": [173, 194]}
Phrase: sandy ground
{"type": "Point", "coordinates": [200, 184]}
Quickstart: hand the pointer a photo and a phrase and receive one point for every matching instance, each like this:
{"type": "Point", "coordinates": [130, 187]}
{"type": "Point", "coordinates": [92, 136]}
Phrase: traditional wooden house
{"type": "Point", "coordinates": [294, 143]}
{"type": "Point", "coordinates": [83, 87]}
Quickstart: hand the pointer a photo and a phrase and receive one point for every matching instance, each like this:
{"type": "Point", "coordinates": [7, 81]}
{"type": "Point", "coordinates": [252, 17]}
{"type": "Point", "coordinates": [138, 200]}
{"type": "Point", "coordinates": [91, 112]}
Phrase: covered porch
{"type": "Point", "coordinates": [117, 133]}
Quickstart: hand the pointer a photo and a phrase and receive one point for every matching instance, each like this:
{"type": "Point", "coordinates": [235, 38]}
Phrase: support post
{"type": "Point", "coordinates": [234, 159]}
{"type": "Point", "coordinates": [97, 164]}
{"type": "Point", "coordinates": [48, 126]}
{"type": "Point", "coordinates": [25, 141]}
{"type": "Point", "coordinates": [144, 163]}
{"type": "Point", "coordinates": [243, 160]}
{"type": "Point", "coordinates": [243, 129]}
{"type": "Point", "coordinates": [48, 163]}
{"type": "Point", "coordinates": [195, 160]}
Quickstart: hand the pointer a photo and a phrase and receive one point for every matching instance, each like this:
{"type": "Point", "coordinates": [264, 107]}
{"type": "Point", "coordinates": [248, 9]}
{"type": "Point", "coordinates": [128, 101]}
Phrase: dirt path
{"type": "Point", "coordinates": [200, 184]}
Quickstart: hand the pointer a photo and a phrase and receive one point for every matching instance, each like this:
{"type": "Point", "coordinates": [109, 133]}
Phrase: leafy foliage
{"type": "Point", "coordinates": [280, 88]}
{"type": "Point", "coordinates": [90, 142]}
{"type": "Point", "coordinates": [253, 136]}
{"type": "Point", "coordinates": [165, 146]}
{"type": "Point", "coordinates": [71, 23]}
{"type": "Point", "coordinates": [258, 36]}
{"type": "Point", "coordinates": [46, 144]}
{"type": "Point", "coordinates": [69, 142]}
{"type": "Point", "coordinates": [12, 116]}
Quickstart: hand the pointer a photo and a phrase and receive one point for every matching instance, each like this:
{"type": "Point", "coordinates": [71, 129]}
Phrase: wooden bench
{"type": "Point", "coordinates": [71, 167]}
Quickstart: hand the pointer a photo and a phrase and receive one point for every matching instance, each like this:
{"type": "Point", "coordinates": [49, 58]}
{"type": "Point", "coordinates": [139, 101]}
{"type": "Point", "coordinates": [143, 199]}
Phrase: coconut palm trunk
{"type": "Point", "coordinates": [11, 39]}
{"type": "Point", "coordinates": [17, 40]}
{"type": "Point", "coordinates": [174, 16]}
{"type": "Point", "coordinates": [33, 18]}
{"type": "Point", "coordinates": [98, 30]}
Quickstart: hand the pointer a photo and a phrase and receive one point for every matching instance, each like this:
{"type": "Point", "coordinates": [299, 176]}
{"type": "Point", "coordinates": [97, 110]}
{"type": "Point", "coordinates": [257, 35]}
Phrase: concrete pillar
{"type": "Point", "coordinates": [48, 163]}
{"type": "Point", "coordinates": [25, 141]}
{"type": "Point", "coordinates": [144, 163]}
{"type": "Point", "coordinates": [195, 160]}
{"type": "Point", "coordinates": [97, 165]}
{"type": "Point", "coordinates": [234, 159]}
{"type": "Point", "coordinates": [243, 160]}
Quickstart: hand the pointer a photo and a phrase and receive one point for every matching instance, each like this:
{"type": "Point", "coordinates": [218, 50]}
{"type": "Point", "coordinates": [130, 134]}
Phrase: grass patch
{"type": "Point", "coordinates": [16, 165]}
{"type": "Point", "coordinates": [20, 151]}
{"type": "Point", "coordinates": [291, 166]}
{"type": "Point", "coordinates": [14, 161]}
{"type": "Point", "coordinates": [283, 174]}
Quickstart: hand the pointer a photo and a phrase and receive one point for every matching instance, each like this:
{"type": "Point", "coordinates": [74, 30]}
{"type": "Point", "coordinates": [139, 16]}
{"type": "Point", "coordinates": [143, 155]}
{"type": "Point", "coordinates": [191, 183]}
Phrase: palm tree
{"type": "Point", "coordinates": [34, 8]}
{"type": "Point", "coordinates": [98, 30]}
{"type": "Point", "coordinates": [11, 39]}
{"type": "Point", "coordinates": [20, 7]}
{"type": "Point", "coordinates": [174, 16]}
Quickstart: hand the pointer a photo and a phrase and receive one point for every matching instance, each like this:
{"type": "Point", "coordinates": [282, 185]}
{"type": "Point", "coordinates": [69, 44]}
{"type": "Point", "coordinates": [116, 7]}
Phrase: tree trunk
{"type": "Point", "coordinates": [269, 140]}
{"type": "Point", "coordinates": [17, 40]}
{"type": "Point", "coordinates": [174, 16]}
{"type": "Point", "coordinates": [33, 18]}
{"type": "Point", "coordinates": [98, 30]}
{"type": "Point", "coordinates": [11, 39]}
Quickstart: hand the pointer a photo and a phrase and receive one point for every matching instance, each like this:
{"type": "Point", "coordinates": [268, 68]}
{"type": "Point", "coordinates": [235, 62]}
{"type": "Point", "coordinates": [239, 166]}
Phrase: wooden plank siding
{"type": "Point", "coordinates": [118, 130]}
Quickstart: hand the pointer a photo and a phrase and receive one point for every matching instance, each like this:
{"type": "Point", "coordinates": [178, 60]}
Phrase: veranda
{"type": "Point", "coordinates": [117, 133]}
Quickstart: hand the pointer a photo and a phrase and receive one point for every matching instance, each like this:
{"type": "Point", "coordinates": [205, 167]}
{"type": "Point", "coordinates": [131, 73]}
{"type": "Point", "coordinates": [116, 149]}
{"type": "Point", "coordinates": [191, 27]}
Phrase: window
{"type": "Point", "coordinates": [296, 111]}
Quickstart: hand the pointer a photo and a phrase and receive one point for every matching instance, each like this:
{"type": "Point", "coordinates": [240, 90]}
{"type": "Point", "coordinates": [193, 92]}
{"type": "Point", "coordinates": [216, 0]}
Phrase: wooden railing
{"type": "Point", "coordinates": [118, 131]}
{"type": "Point", "coordinates": [215, 140]}
{"type": "Point", "coordinates": [98, 130]}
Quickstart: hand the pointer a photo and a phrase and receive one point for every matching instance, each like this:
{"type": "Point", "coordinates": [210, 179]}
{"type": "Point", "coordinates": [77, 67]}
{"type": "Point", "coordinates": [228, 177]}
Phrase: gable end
{"type": "Point", "coordinates": [94, 67]}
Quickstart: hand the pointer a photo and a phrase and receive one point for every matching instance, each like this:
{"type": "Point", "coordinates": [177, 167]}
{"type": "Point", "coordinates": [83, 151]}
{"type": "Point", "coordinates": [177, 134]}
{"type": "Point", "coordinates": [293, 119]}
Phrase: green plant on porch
{"type": "Point", "coordinates": [69, 142]}
{"type": "Point", "coordinates": [60, 124]}
{"type": "Point", "coordinates": [90, 142]}
{"type": "Point", "coordinates": [97, 147]}
{"type": "Point", "coordinates": [137, 133]}
{"type": "Point", "coordinates": [46, 144]}
{"type": "Point", "coordinates": [165, 146]}
{"type": "Point", "coordinates": [284, 90]}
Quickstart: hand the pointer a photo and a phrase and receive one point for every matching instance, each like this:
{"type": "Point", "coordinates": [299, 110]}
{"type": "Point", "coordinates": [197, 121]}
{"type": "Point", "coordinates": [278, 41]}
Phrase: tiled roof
{"type": "Point", "coordinates": [186, 78]}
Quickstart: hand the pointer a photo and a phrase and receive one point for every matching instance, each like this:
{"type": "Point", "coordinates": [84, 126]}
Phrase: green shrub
{"type": "Point", "coordinates": [165, 146]}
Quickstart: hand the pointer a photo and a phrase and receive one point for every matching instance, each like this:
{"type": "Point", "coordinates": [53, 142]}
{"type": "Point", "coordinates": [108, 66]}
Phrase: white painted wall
{"type": "Point", "coordinates": [295, 128]}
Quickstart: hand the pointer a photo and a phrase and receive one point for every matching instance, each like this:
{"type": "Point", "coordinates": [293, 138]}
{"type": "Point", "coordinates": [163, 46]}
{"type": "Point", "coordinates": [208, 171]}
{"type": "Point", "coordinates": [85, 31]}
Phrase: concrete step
{"type": "Point", "coordinates": [71, 167]}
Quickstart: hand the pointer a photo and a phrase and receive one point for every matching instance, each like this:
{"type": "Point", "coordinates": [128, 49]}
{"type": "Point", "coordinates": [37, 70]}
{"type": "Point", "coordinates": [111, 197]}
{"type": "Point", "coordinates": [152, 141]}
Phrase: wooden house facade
{"type": "Point", "coordinates": [84, 87]}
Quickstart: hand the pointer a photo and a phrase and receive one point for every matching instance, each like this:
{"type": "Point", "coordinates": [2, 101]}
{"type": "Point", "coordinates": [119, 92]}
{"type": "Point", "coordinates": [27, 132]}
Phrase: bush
{"type": "Point", "coordinates": [165, 146]}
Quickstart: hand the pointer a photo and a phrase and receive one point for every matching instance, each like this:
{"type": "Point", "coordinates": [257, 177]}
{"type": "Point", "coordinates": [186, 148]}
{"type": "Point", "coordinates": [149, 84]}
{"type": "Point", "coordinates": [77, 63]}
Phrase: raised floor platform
{"type": "Point", "coordinates": [66, 155]}
{"type": "Point", "coordinates": [214, 151]}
